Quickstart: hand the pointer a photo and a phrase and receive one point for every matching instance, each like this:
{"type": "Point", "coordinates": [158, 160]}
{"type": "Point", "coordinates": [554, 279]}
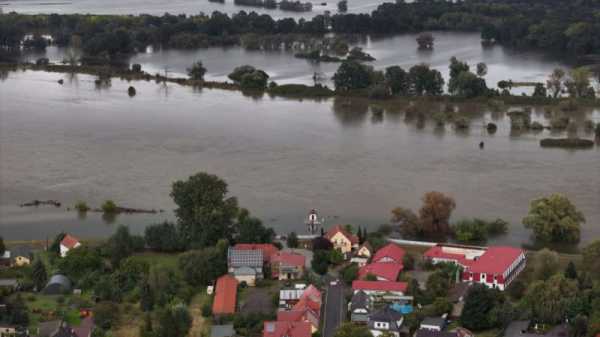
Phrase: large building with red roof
{"type": "Point", "coordinates": [495, 267]}
{"type": "Point", "coordinates": [341, 239]}
{"type": "Point", "coordinates": [225, 295]}
{"type": "Point", "coordinates": [286, 329]}
{"type": "Point", "coordinates": [382, 271]}
{"type": "Point", "coordinates": [268, 249]}
{"type": "Point", "coordinates": [287, 265]}
{"type": "Point", "coordinates": [390, 253]}
{"type": "Point", "coordinates": [307, 309]}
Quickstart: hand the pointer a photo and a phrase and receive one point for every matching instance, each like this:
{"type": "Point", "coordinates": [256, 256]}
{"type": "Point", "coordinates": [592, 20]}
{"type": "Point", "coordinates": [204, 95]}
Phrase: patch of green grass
{"type": "Point", "coordinates": [158, 259]}
{"type": "Point", "coordinates": [49, 307]}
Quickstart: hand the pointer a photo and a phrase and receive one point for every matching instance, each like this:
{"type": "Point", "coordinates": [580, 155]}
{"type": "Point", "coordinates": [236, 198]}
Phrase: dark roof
{"type": "Point", "coordinates": [58, 284]}
{"type": "Point", "coordinates": [245, 258]}
{"type": "Point", "coordinates": [435, 321]}
{"type": "Point", "coordinates": [9, 282]}
{"type": "Point", "coordinates": [21, 250]}
{"type": "Point", "coordinates": [360, 300]}
{"type": "Point", "coordinates": [434, 333]}
{"type": "Point", "coordinates": [222, 330]}
{"type": "Point", "coordinates": [388, 315]}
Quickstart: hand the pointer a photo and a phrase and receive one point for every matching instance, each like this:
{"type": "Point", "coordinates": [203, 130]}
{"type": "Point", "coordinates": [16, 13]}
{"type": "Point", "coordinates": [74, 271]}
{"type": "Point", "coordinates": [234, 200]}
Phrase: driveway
{"type": "Point", "coordinates": [335, 308]}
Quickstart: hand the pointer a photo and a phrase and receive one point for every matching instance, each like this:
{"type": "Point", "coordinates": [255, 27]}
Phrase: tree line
{"type": "Point", "coordinates": [519, 23]}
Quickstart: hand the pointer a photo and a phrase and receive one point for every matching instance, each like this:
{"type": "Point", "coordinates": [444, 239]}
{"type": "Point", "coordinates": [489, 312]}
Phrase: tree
{"type": "Point", "coordinates": [321, 243]}
{"type": "Point", "coordinates": [350, 273]}
{"type": "Point", "coordinates": [146, 295]}
{"type": "Point", "coordinates": [320, 261]}
{"type": "Point", "coordinates": [109, 207]}
{"type": "Point", "coordinates": [146, 329]}
{"type": "Point", "coordinates": [120, 245]}
{"type": "Point", "coordinates": [438, 284]}
{"type": "Point", "coordinates": [548, 300]}
{"type": "Point", "coordinates": [440, 306]}
{"type": "Point", "coordinates": [352, 330]}
{"type": "Point", "coordinates": [554, 219]}
{"type": "Point", "coordinates": [2, 246]}
{"type": "Point", "coordinates": [579, 326]}
{"type": "Point", "coordinates": [425, 41]}
{"type": "Point", "coordinates": [55, 246]}
{"type": "Point", "coordinates": [163, 237]}
{"type": "Point", "coordinates": [425, 81]}
{"type": "Point", "coordinates": [201, 267]}
{"type": "Point", "coordinates": [469, 85]}
{"type": "Point", "coordinates": [470, 231]}
{"type": "Point", "coordinates": [591, 258]}
{"type": "Point", "coordinates": [578, 83]}
{"type": "Point", "coordinates": [336, 257]}
{"type": "Point", "coordinates": [410, 224]}
{"type": "Point", "coordinates": [174, 322]}
{"type": "Point", "coordinates": [456, 68]}
{"type": "Point", "coordinates": [540, 90]}
{"type": "Point", "coordinates": [571, 271]}
{"type": "Point", "coordinates": [197, 71]}
{"type": "Point", "coordinates": [435, 213]}
{"type": "Point", "coordinates": [106, 314]}
{"type": "Point", "coordinates": [204, 213]}
{"type": "Point", "coordinates": [130, 274]}
{"type": "Point", "coordinates": [256, 80]}
{"type": "Point", "coordinates": [482, 69]}
{"type": "Point", "coordinates": [81, 206]}
{"type": "Point", "coordinates": [342, 6]}
{"type": "Point", "coordinates": [555, 82]}
{"type": "Point", "coordinates": [292, 240]}
{"type": "Point", "coordinates": [408, 262]}
{"type": "Point", "coordinates": [251, 230]}
{"type": "Point", "coordinates": [352, 75]}
{"type": "Point", "coordinates": [79, 262]}
{"type": "Point", "coordinates": [39, 276]}
{"type": "Point", "coordinates": [545, 264]}
{"type": "Point", "coordinates": [480, 301]}
{"type": "Point", "coordinates": [397, 79]}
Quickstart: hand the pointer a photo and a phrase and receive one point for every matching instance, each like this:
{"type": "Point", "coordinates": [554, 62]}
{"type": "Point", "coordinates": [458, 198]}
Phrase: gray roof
{"type": "Point", "coordinates": [59, 280]}
{"type": "Point", "coordinates": [21, 250]}
{"type": "Point", "coordinates": [222, 331]}
{"type": "Point", "coordinates": [434, 321]}
{"type": "Point", "coordinates": [241, 271]}
{"type": "Point", "coordinates": [434, 333]}
{"type": "Point", "coordinates": [9, 282]}
{"type": "Point", "coordinates": [48, 329]}
{"type": "Point", "coordinates": [388, 315]}
{"type": "Point", "coordinates": [245, 258]}
{"type": "Point", "coordinates": [360, 300]}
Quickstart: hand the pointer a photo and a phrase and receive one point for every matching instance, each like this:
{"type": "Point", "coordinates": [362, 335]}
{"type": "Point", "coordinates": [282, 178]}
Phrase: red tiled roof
{"type": "Point", "coordinates": [379, 286]}
{"type": "Point", "coordinates": [388, 271]}
{"type": "Point", "coordinates": [290, 315]}
{"type": "Point", "coordinates": [495, 260]}
{"type": "Point", "coordinates": [268, 249]}
{"type": "Point", "coordinates": [340, 229]}
{"type": "Point", "coordinates": [289, 259]}
{"type": "Point", "coordinates": [69, 241]}
{"type": "Point", "coordinates": [312, 293]}
{"type": "Point", "coordinates": [391, 251]}
{"type": "Point", "coordinates": [225, 295]}
{"type": "Point", "coordinates": [438, 252]}
{"type": "Point", "coordinates": [286, 329]}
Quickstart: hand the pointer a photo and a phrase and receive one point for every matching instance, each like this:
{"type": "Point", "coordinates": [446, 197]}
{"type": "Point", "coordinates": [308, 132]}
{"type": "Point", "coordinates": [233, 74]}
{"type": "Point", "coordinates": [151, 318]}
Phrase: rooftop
{"type": "Point", "coordinates": [225, 295]}
{"type": "Point", "coordinates": [222, 330]}
{"type": "Point", "coordinates": [289, 259]}
{"type": "Point", "coordinates": [388, 271]}
{"type": "Point", "coordinates": [390, 251]}
{"type": "Point", "coordinates": [268, 249]}
{"type": "Point", "coordinates": [69, 241]}
{"type": "Point", "coordinates": [434, 321]}
{"type": "Point", "coordinates": [286, 329]}
{"type": "Point", "coordinates": [379, 286]}
{"type": "Point", "coordinates": [496, 260]}
{"type": "Point", "coordinates": [246, 258]}
{"type": "Point", "coordinates": [340, 229]}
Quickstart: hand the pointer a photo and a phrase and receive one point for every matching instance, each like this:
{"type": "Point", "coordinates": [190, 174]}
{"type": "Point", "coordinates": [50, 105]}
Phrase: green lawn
{"type": "Point", "coordinates": [50, 307]}
{"type": "Point", "coordinates": [158, 259]}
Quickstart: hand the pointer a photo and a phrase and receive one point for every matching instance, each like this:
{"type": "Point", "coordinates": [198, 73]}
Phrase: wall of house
{"type": "Point", "coordinates": [341, 242]}
{"type": "Point", "coordinates": [249, 279]}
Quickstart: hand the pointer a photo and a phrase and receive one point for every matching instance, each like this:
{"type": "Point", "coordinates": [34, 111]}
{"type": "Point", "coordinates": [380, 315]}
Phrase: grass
{"type": "Point", "coordinates": [49, 307]}
{"type": "Point", "coordinates": [158, 259]}
{"type": "Point", "coordinates": [131, 317]}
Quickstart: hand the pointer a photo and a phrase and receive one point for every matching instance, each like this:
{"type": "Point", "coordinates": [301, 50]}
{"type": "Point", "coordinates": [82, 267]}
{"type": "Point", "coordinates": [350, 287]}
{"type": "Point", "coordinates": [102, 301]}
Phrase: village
{"type": "Point", "coordinates": [367, 291]}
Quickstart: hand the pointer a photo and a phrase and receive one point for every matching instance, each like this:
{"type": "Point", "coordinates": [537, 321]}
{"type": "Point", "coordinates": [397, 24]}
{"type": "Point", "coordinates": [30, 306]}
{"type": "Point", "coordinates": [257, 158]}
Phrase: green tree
{"type": "Point", "coordinates": [79, 262]}
{"type": "Point", "coordinates": [163, 237]}
{"type": "Point", "coordinates": [351, 330]}
{"type": "Point", "coordinates": [204, 213]}
{"type": "Point", "coordinates": [201, 267]}
{"type": "Point", "coordinates": [540, 90]}
{"type": "Point", "coordinates": [342, 6]}
{"type": "Point", "coordinates": [548, 300]}
{"type": "Point", "coordinates": [546, 264]}
{"type": "Point", "coordinates": [81, 206]}
{"type": "Point", "coordinates": [106, 314]}
{"type": "Point", "coordinates": [578, 84]}
{"type": "Point", "coordinates": [440, 306]}
{"type": "Point", "coordinates": [109, 207]}
{"type": "Point", "coordinates": [197, 71]}
{"type": "Point", "coordinates": [146, 295]}
{"type": "Point", "coordinates": [554, 219]}
{"type": "Point", "coordinates": [336, 257]}
{"type": "Point", "coordinates": [251, 230]}
{"type": "Point", "coordinates": [2, 246]}
{"type": "Point", "coordinates": [39, 275]}
{"type": "Point", "coordinates": [456, 69]}
{"type": "Point", "coordinates": [555, 82]}
{"type": "Point", "coordinates": [320, 261]}
{"type": "Point", "coordinates": [470, 231]}
{"type": "Point", "coordinates": [480, 301]}
{"type": "Point", "coordinates": [410, 224]}
{"type": "Point", "coordinates": [397, 79]}
{"type": "Point", "coordinates": [438, 284]}
{"type": "Point", "coordinates": [55, 246]}
{"type": "Point", "coordinates": [130, 274]}
{"type": "Point", "coordinates": [425, 81]}
{"type": "Point", "coordinates": [352, 75]}
{"type": "Point", "coordinates": [292, 240]}
{"type": "Point", "coordinates": [591, 258]}
{"type": "Point", "coordinates": [174, 322]}
{"type": "Point", "coordinates": [482, 69]}
{"type": "Point", "coordinates": [571, 271]}
{"type": "Point", "coordinates": [350, 273]}
{"type": "Point", "coordinates": [435, 213]}
{"type": "Point", "coordinates": [120, 245]}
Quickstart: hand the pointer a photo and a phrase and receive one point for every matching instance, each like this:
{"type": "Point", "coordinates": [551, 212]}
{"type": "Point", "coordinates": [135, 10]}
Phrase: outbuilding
{"type": "Point", "coordinates": [58, 285]}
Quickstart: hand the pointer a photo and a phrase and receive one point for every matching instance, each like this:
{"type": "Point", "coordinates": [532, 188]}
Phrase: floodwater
{"type": "Point", "coordinates": [283, 67]}
{"type": "Point", "coordinates": [280, 157]}
{"type": "Point", "coordinates": [159, 7]}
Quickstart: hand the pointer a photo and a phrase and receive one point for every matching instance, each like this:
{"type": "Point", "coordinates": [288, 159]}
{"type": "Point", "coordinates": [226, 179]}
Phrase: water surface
{"type": "Point", "coordinates": [280, 157]}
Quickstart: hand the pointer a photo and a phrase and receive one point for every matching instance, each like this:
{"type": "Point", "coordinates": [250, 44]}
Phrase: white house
{"type": "Point", "coordinates": [68, 242]}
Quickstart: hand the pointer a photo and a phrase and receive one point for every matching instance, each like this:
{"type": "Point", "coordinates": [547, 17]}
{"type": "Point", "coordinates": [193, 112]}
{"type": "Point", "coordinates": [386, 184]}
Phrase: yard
{"type": "Point", "coordinates": [51, 307]}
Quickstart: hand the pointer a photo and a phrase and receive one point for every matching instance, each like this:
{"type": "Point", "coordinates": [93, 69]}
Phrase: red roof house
{"type": "Point", "coordinates": [225, 295]}
{"type": "Point", "coordinates": [383, 271]}
{"type": "Point", "coordinates": [67, 243]}
{"type": "Point", "coordinates": [389, 253]}
{"type": "Point", "coordinates": [287, 265]}
{"type": "Point", "coordinates": [308, 309]}
{"type": "Point", "coordinates": [380, 287]}
{"type": "Point", "coordinates": [494, 266]}
{"type": "Point", "coordinates": [286, 329]}
{"type": "Point", "coordinates": [268, 249]}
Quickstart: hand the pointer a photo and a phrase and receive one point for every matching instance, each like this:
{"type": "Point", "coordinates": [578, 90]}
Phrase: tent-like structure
{"type": "Point", "coordinates": [58, 284]}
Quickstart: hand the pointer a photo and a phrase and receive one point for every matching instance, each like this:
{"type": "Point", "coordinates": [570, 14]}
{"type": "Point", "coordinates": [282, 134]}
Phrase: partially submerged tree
{"type": "Point", "coordinates": [554, 219]}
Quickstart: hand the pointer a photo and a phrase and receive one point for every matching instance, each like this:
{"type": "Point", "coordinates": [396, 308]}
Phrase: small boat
{"type": "Point", "coordinates": [312, 222]}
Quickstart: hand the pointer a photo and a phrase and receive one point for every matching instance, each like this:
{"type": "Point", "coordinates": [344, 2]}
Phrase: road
{"type": "Point", "coordinates": [335, 309]}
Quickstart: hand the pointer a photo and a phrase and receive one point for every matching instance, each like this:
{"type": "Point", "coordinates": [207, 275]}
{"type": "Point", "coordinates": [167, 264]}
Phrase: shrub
{"type": "Point", "coordinates": [379, 91]}
{"type": "Point", "coordinates": [461, 123]}
{"type": "Point", "coordinates": [491, 127]}
{"type": "Point", "coordinates": [81, 206]}
{"type": "Point", "coordinates": [136, 67]}
{"type": "Point", "coordinates": [537, 126]}
{"type": "Point", "coordinates": [206, 310]}
{"type": "Point", "coordinates": [109, 206]}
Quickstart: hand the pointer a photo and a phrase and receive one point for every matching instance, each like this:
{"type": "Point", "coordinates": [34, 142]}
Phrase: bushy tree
{"type": "Point", "coordinates": [350, 273]}
{"type": "Point", "coordinates": [174, 321]}
{"type": "Point", "coordinates": [548, 300]}
{"type": "Point", "coordinates": [425, 81]}
{"type": "Point", "coordinates": [109, 207]}
{"type": "Point", "coordinates": [120, 245]}
{"type": "Point", "coordinates": [201, 267]}
{"type": "Point", "coordinates": [79, 262]}
{"type": "Point", "coordinates": [197, 71]}
{"type": "Point", "coordinates": [292, 240]}
{"type": "Point", "coordinates": [251, 230]}
{"type": "Point", "coordinates": [163, 237]}
{"type": "Point", "coordinates": [397, 79]}
{"type": "Point", "coordinates": [591, 258]}
{"type": "Point", "coordinates": [456, 68]}
{"type": "Point", "coordinates": [39, 275]}
{"type": "Point", "coordinates": [410, 224]}
{"type": "Point", "coordinates": [554, 219]}
{"type": "Point", "coordinates": [106, 314]}
{"type": "Point", "coordinates": [320, 261]}
{"type": "Point", "coordinates": [204, 212]}
{"type": "Point", "coordinates": [555, 82]}
{"type": "Point", "coordinates": [352, 75]}
{"type": "Point", "coordinates": [480, 301]}
{"type": "Point", "coordinates": [435, 212]}
{"type": "Point", "coordinates": [545, 264]}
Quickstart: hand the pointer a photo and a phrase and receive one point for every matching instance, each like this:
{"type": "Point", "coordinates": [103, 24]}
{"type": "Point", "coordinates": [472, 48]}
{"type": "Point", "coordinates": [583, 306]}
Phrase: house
{"type": "Point", "coordinates": [8, 330]}
{"type": "Point", "coordinates": [433, 323]}
{"type": "Point", "coordinates": [307, 309]}
{"type": "Point", "coordinates": [495, 267]}
{"type": "Point", "coordinates": [390, 253]}
{"type": "Point", "coordinates": [246, 265]}
{"type": "Point", "coordinates": [21, 256]}
{"type": "Point", "coordinates": [341, 239]}
{"type": "Point", "coordinates": [287, 265]}
{"type": "Point", "coordinates": [67, 243]}
{"type": "Point", "coordinates": [383, 271]}
{"type": "Point", "coordinates": [268, 249]}
{"type": "Point", "coordinates": [5, 259]}
{"type": "Point", "coordinates": [222, 331]}
{"type": "Point", "coordinates": [380, 288]}
{"type": "Point", "coordinates": [362, 255]}
{"type": "Point", "coordinates": [286, 329]}
{"type": "Point", "coordinates": [386, 320]}
{"type": "Point", "coordinates": [288, 297]}
{"type": "Point", "coordinates": [360, 307]}
{"type": "Point", "coordinates": [225, 295]}
{"type": "Point", "coordinates": [58, 285]}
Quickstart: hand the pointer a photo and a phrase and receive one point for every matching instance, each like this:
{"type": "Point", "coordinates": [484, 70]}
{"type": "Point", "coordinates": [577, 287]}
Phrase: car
{"type": "Point", "coordinates": [333, 283]}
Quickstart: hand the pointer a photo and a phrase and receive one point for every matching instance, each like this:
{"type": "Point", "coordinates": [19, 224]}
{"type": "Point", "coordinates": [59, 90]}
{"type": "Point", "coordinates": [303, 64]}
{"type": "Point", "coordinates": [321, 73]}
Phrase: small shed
{"type": "Point", "coordinates": [58, 284]}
